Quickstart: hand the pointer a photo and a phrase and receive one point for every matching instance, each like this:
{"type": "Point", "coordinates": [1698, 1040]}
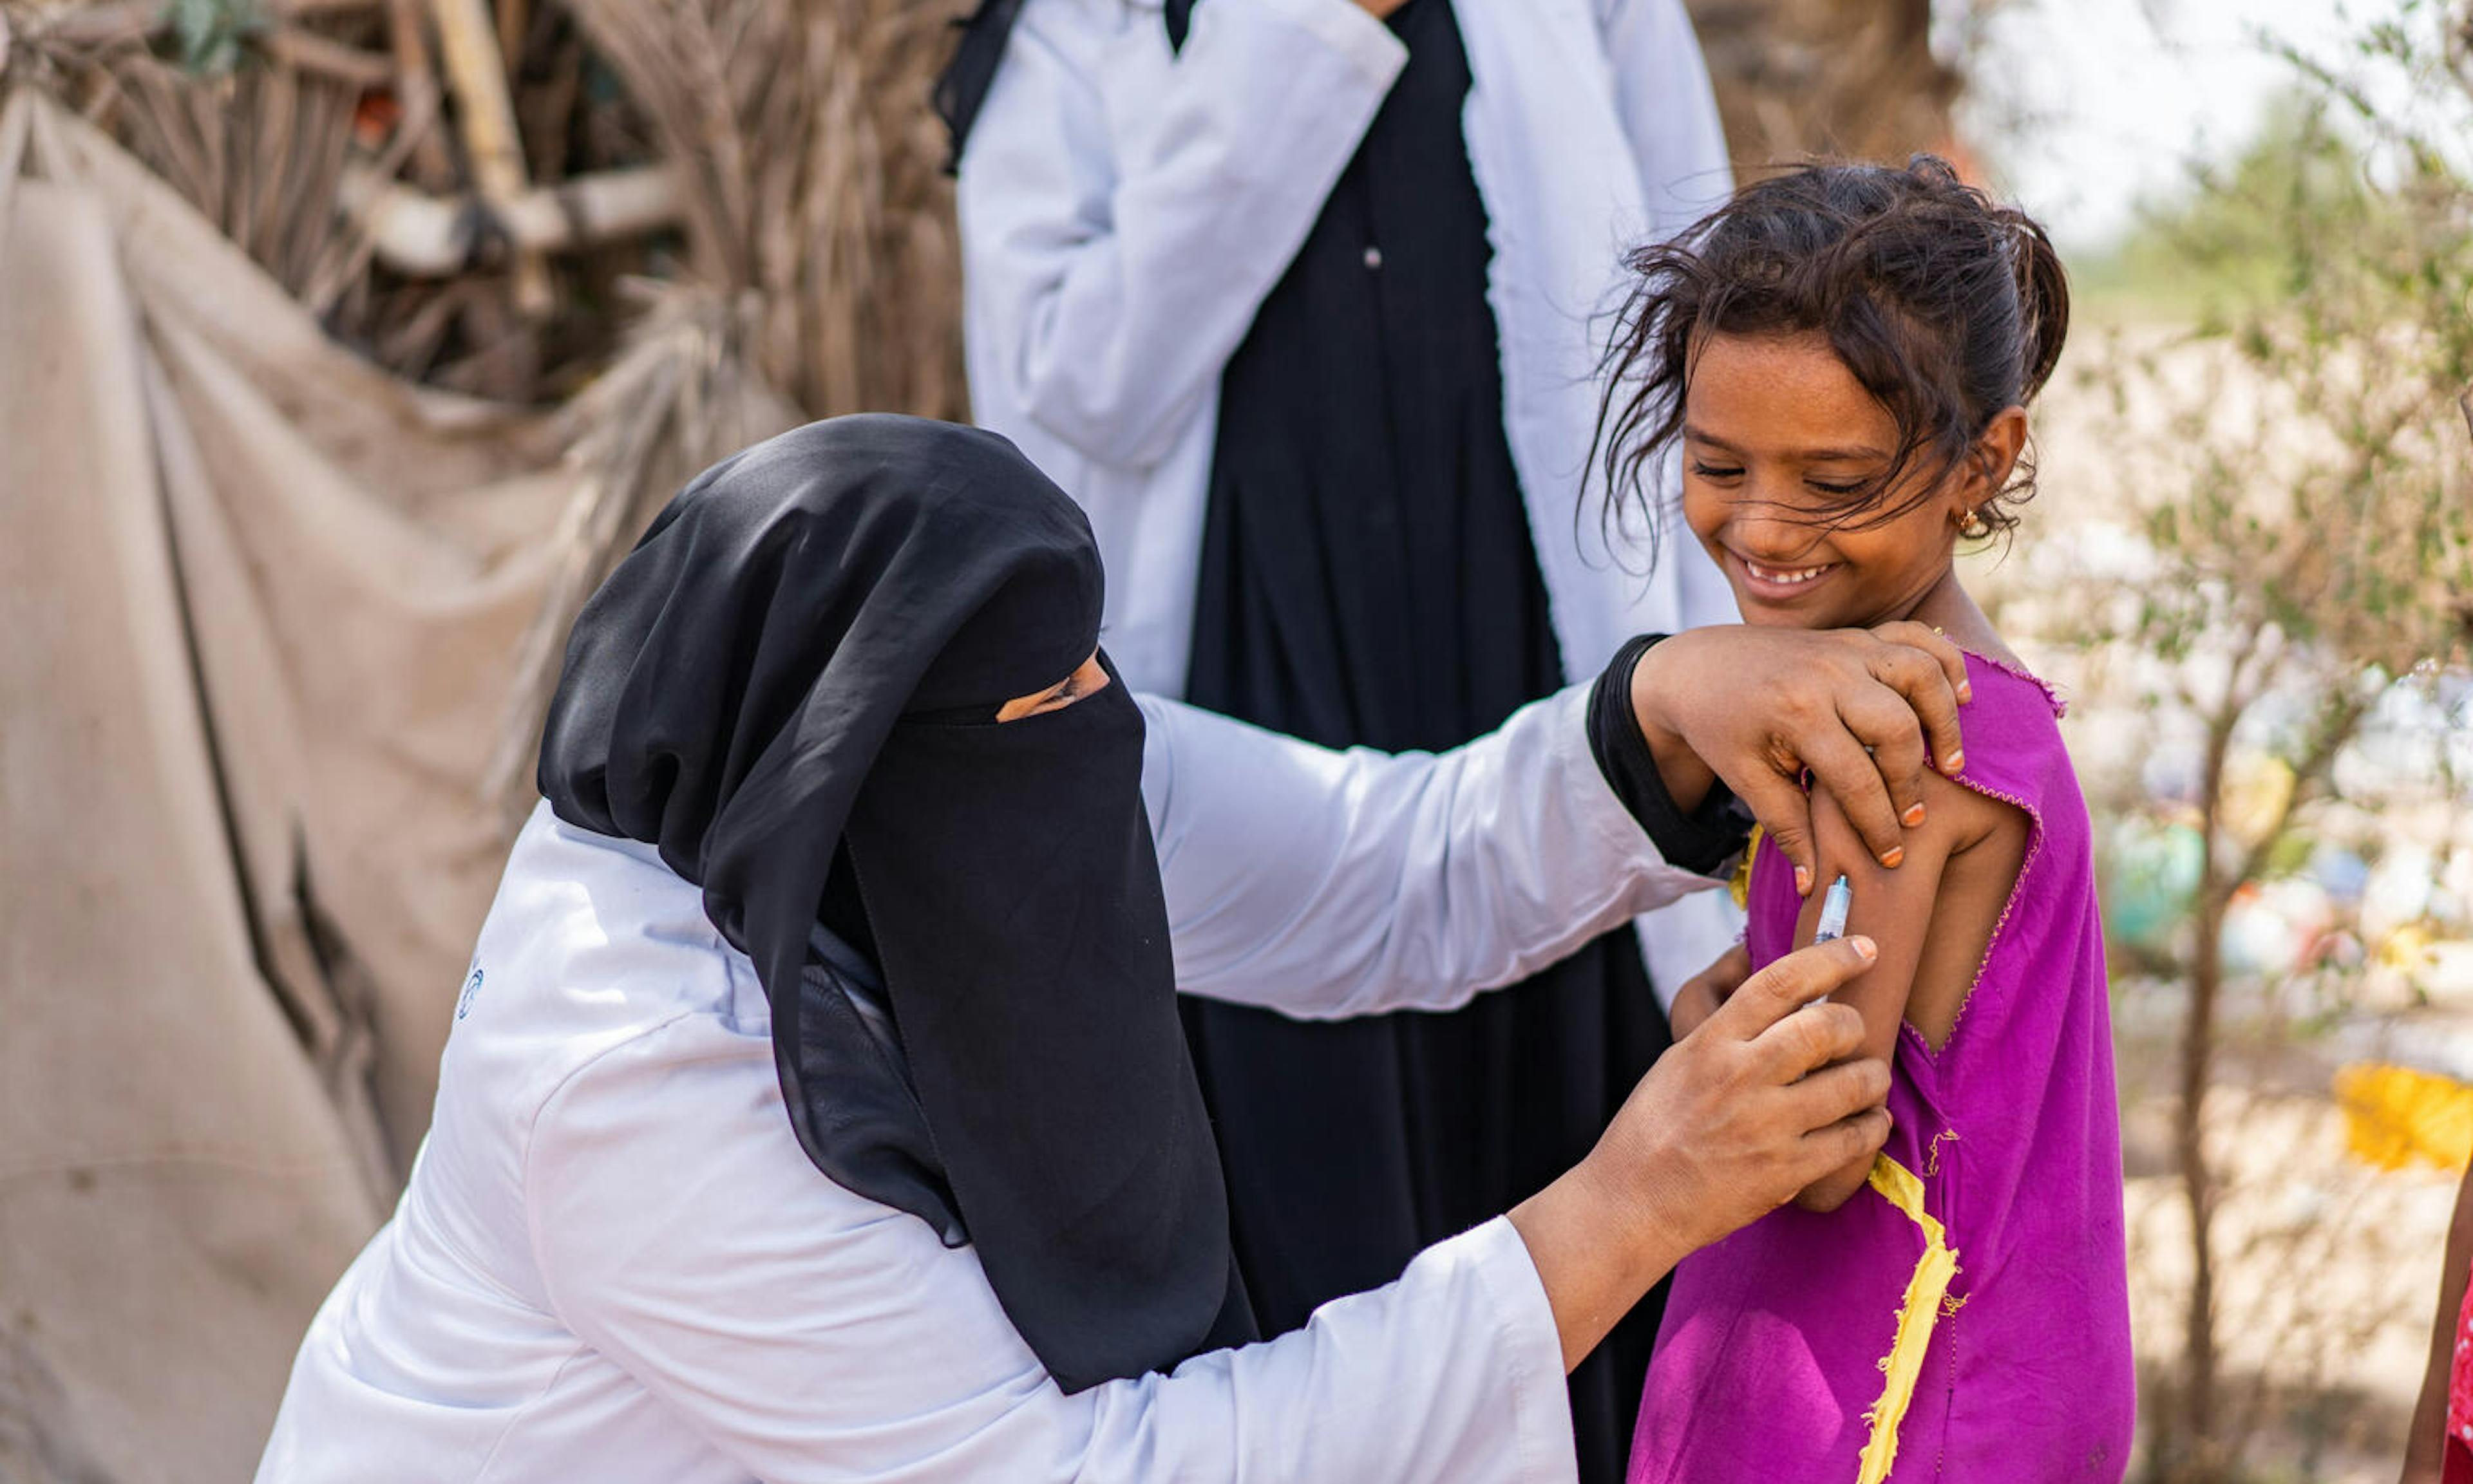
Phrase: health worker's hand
{"type": "Point", "coordinates": [1726, 1127]}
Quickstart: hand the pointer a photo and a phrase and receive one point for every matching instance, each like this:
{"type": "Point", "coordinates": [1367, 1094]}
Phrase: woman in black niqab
{"type": "Point", "coordinates": [790, 688]}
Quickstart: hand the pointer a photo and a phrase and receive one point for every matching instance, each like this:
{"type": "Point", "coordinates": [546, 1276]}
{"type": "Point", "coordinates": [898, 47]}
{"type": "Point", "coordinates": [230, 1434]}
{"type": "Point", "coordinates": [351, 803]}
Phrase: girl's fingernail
{"type": "Point", "coordinates": [1802, 882]}
{"type": "Point", "coordinates": [1892, 856]}
{"type": "Point", "coordinates": [1965, 691]}
{"type": "Point", "coordinates": [1913, 816]}
{"type": "Point", "coordinates": [1865, 948]}
{"type": "Point", "coordinates": [1957, 764]}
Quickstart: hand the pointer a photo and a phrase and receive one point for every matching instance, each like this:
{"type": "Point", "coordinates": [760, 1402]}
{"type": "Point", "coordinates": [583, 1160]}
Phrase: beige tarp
{"type": "Point", "coordinates": [260, 608]}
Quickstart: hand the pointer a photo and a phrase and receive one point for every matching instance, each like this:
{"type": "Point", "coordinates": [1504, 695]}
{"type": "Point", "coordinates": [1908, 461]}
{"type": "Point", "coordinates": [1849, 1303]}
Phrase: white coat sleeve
{"type": "Point", "coordinates": [1669, 111]}
{"type": "Point", "coordinates": [1325, 884]}
{"type": "Point", "coordinates": [815, 1337]}
{"type": "Point", "coordinates": [1124, 215]}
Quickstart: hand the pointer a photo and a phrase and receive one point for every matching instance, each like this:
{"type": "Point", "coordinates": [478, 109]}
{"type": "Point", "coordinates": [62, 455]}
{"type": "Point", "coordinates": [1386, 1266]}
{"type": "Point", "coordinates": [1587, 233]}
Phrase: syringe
{"type": "Point", "coordinates": [1833, 908]}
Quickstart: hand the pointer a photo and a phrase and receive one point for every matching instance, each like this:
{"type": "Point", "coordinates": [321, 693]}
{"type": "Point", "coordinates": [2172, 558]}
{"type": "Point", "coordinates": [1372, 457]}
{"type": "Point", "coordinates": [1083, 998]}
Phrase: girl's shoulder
{"type": "Point", "coordinates": [2016, 755]}
{"type": "Point", "coordinates": [2011, 727]}
{"type": "Point", "coordinates": [2009, 676]}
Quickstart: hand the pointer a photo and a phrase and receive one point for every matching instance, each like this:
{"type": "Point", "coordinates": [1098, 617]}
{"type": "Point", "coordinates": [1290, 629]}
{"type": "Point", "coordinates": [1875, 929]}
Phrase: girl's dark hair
{"type": "Point", "coordinates": [1947, 307]}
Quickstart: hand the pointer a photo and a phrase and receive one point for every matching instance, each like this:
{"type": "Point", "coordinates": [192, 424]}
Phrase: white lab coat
{"type": "Point", "coordinates": [614, 1263]}
{"type": "Point", "coordinates": [1125, 209]}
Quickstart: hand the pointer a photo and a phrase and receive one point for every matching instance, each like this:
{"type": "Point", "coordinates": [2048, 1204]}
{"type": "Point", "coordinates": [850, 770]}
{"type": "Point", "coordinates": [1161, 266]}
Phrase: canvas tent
{"type": "Point", "coordinates": [266, 612]}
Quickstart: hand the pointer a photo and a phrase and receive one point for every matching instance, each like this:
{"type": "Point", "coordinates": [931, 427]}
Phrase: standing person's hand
{"type": "Point", "coordinates": [1725, 1128]}
{"type": "Point", "coordinates": [1757, 707]}
{"type": "Point", "coordinates": [1379, 9]}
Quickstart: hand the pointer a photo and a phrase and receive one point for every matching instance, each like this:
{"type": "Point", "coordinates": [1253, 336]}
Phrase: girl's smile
{"type": "Point", "coordinates": [1775, 585]}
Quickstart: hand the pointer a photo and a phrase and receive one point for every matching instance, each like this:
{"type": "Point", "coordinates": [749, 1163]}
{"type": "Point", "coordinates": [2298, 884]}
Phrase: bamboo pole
{"type": "Point", "coordinates": [477, 75]}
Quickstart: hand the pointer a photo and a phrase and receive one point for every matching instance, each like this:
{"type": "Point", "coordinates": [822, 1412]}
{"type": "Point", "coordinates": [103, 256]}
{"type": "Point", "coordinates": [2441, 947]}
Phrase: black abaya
{"type": "Point", "coordinates": [1368, 577]}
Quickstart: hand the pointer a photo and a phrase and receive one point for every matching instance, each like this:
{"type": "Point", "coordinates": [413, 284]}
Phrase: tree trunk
{"type": "Point", "coordinates": [2200, 1460]}
{"type": "Point", "coordinates": [1796, 78]}
{"type": "Point", "coordinates": [2187, 1450]}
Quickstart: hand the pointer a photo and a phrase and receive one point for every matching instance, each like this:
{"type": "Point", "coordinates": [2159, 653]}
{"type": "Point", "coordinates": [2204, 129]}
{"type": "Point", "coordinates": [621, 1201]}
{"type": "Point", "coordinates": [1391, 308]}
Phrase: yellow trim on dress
{"type": "Point", "coordinates": [1740, 885]}
{"type": "Point", "coordinates": [1927, 1291]}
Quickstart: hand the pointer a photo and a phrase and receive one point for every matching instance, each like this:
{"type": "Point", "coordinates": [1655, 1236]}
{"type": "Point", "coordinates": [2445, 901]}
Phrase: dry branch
{"type": "Point", "coordinates": [311, 52]}
{"type": "Point", "coordinates": [415, 232]}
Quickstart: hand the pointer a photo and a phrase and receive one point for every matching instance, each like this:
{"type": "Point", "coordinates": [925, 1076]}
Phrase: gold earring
{"type": "Point", "coordinates": [1971, 524]}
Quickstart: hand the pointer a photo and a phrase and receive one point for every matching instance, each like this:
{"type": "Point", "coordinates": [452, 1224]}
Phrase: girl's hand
{"type": "Point", "coordinates": [1704, 992]}
{"type": "Point", "coordinates": [1379, 9]}
{"type": "Point", "coordinates": [1757, 707]}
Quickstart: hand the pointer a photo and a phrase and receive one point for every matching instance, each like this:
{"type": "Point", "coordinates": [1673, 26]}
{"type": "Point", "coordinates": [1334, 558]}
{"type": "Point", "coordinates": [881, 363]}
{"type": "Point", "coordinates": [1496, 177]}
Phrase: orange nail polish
{"type": "Point", "coordinates": [1957, 764]}
{"type": "Point", "coordinates": [1892, 856]}
{"type": "Point", "coordinates": [1913, 816]}
{"type": "Point", "coordinates": [1802, 882]}
{"type": "Point", "coordinates": [1866, 948]}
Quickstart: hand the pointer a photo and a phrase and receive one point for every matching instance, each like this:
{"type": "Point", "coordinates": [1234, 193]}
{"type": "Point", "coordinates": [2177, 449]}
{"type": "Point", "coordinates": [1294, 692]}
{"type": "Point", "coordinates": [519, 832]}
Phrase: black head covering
{"type": "Point", "coordinates": [803, 660]}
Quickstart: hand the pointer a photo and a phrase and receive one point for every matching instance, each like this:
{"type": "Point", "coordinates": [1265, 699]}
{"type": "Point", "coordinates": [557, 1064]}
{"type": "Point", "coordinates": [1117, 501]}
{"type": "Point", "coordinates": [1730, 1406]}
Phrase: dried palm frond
{"type": "Point", "coordinates": [262, 111]}
{"type": "Point", "coordinates": [259, 150]}
{"type": "Point", "coordinates": [817, 181]}
{"type": "Point", "coordinates": [821, 276]}
{"type": "Point", "coordinates": [680, 396]}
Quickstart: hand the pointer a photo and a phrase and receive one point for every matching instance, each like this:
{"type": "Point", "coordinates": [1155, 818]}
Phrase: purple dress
{"type": "Point", "coordinates": [1774, 1339]}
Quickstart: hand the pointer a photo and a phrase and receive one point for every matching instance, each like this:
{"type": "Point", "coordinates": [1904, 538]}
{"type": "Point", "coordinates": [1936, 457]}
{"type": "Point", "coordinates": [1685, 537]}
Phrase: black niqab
{"type": "Point", "coordinates": [800, 665]}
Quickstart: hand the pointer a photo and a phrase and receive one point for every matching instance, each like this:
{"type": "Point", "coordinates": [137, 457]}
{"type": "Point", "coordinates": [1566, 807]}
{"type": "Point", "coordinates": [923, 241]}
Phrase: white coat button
{"type": "Point", "coordinates": [1373, 257]}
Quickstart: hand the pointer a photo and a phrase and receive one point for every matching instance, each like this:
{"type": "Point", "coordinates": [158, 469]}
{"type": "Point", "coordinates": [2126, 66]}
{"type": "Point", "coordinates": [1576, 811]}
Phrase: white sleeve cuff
{"type": "Point", "coordinates": [1602, 808]}
{"type": "Point", "coordinates": [1532, 1348]}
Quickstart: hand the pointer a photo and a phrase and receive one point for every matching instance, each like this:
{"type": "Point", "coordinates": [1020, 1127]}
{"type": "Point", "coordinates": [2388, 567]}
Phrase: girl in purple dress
{"type": "Point", "coordinates": [1846, 353]}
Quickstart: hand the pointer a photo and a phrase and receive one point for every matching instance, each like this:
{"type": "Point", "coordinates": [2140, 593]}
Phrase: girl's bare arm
{"type": "Point", "coordinates": [1931, 912]}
